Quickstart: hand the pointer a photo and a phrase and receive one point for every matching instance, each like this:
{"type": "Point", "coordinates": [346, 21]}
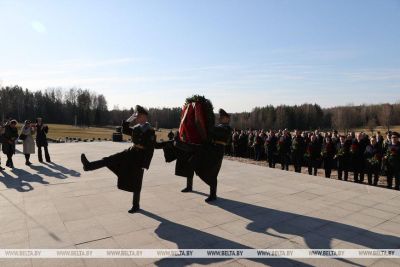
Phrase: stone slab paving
{"type": "Point", "coordinates": [59, 206]}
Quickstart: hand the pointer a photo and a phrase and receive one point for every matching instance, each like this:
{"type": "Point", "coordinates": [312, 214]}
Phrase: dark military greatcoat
{"type": "Point", "coordinates": [208, 159]}
{"type": "Point", "coordinates": [205, 160]}
{"type": "Point", "coordinates": [129, 164]}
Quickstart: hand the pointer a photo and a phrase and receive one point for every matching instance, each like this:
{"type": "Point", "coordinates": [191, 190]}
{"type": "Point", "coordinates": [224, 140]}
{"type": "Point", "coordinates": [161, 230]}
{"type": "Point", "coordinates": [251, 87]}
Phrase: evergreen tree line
{"type": "Point", "coordinates": [80, 107]}
{"type": "Point", "coordinates": [312, 116]}
{"type": "Point", "coordinates": [84, 107]}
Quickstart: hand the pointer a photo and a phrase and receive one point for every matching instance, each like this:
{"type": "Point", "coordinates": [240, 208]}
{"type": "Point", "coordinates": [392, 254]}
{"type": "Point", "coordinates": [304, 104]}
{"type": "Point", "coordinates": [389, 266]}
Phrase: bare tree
{"type": "Point", "coordinates": [371, 124]}
{"type": "Point", "coordinates": [386, 116]}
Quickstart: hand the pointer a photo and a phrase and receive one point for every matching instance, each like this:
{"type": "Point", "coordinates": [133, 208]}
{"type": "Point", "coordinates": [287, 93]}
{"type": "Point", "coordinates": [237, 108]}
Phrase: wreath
{"type": "Point", "coordinates": [207, 105]}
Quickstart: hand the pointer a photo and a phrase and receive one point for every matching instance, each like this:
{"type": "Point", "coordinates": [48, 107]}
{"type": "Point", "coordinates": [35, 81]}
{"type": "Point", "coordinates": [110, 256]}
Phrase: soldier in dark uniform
{"type": "Point", "coordinates": [343, 157]}
{"type": "Point", "coordinates": [298, 147]}
{"type": "Point", "coordinates": [41, 140]}
{"type": "Point", "coordinates": [205, 160]}
{"type": "Point", "coordinates": [392, 159]}
{"type": "Point", "coordinates": [220, 137]}
{"type": "Point", "coordinates": [129, 164]}
{"type": "Point", "coordinates": [271, 149]}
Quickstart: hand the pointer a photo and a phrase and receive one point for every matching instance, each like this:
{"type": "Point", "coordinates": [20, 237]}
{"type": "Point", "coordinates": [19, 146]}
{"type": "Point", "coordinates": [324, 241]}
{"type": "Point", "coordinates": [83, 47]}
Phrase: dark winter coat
{"type": "Point", "coordinates": [41, 135]}
{"type": "Point", "coordinates": [129, 164]}
{"type": "Point", "coordinates": [9, 137]}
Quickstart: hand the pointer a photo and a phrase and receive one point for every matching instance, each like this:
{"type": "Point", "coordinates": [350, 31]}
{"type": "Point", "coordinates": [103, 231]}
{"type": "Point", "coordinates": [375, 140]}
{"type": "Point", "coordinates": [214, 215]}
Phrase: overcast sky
{"type": "Point", "coordinates": [240, 54]}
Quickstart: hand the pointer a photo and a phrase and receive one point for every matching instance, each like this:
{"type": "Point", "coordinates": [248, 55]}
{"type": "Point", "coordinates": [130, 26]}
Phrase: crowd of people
{"type": "Point", "coordinates": [357, 153]}
{"type": "Point", "coordinates": [9, 136]}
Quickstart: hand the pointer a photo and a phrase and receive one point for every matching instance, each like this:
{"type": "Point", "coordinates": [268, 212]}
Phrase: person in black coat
{"type": "Point", "coordinates": [297, 149]}
{"type": "Point", "coordinates": [129, 164]}
{"type": "Point", "coordinates": [41, 140]}
{"type": "Point", "coordinates": [343, 157]}
{"type": "Point", "coordinates": [313, 155]}
{"type": "Point", "coordinates": [328, 154]}
{"type": "Point", "coordinates": [242, 144]}
{"type": "Point", "coordinates": [392, 159]}
{"type": "Point", "coordinates": [235, 143]}
{"type": "Point", "coordinates": [357, 157]}
{"type": "Point", "coordinates": [271, 149]}
{"type": "Point", "coordinates": [283, 148]}
{"type": "Point", "coordinates": [9, 137]}
{"type": "Point", "coordinates": [258, 144]}
{"type": "Point", "coordinates": [373, 160]}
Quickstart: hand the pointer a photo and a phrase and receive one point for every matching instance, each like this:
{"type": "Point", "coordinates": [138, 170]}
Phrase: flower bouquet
{"type": "Point", "coordinates": [373, 161]}
{"type": "Point", "coordinates": [354, 149]}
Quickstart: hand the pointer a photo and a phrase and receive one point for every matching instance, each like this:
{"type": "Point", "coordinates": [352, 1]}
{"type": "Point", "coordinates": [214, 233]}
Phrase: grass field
{"type": "Point", "coordinates": [61, 131]}
{"type": "Point", "coordinates": [383, 130]}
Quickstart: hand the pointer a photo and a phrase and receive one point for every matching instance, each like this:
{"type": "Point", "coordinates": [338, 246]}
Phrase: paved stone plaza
{"type": "Point", "coordinates": [60, 206]}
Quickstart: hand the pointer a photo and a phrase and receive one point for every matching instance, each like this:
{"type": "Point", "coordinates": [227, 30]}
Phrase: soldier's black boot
{"type": "Point", "coordinates": [135, 203]}
{"type": "Point", "coordinates": [134, 209]}
{"type": "Point", "coordinates": [189, 185]}
{"type": "Point", "coordinates": [90, 166]}
{"type": "Point", "coordinates": [213, 194]}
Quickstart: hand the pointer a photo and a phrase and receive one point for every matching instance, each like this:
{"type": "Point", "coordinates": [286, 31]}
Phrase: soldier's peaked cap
{"type": "Point", "coordinates": [395, 134]}
{"type": "Point", "coordinates": [141, 110]}
{"type": "Point", "coordinates": [223, 113]}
